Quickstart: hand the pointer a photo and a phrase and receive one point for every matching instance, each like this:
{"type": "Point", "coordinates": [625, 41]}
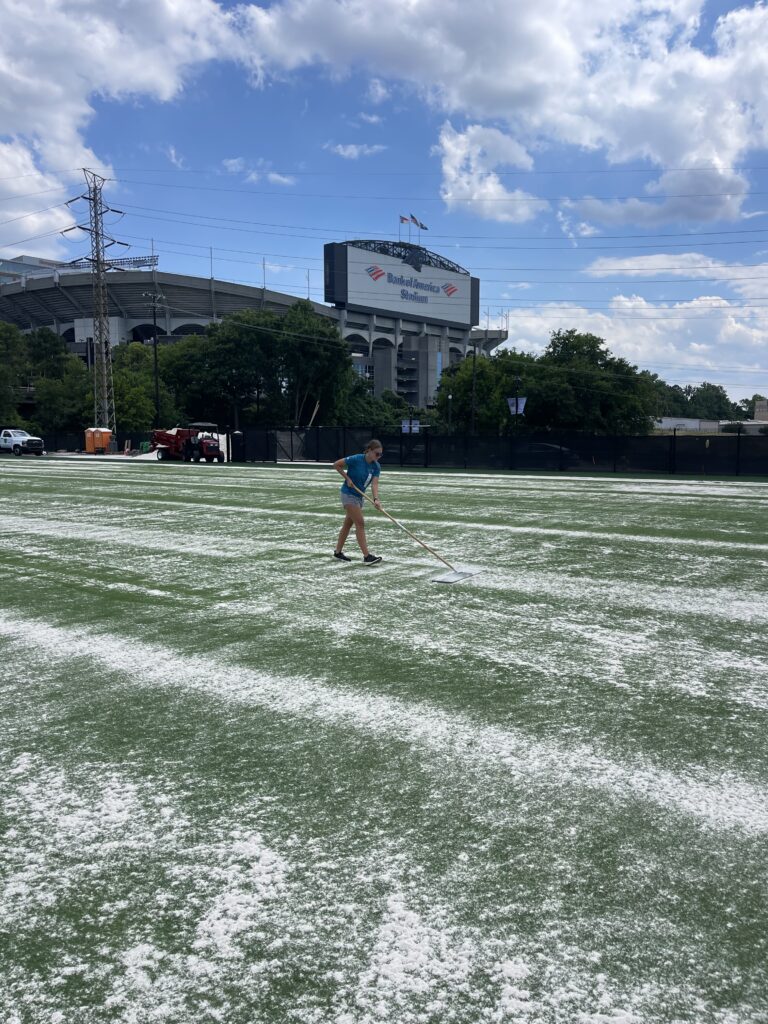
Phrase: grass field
{"type": "Point", "coordinates": [243, 783]}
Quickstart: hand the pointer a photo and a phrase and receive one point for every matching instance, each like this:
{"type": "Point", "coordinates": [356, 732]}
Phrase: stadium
{"type": "Point", "coordinates": [399, 344]}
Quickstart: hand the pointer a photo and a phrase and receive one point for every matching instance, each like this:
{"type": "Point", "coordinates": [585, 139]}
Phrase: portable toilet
{"type": "Point", "coordinates": [97, 440]}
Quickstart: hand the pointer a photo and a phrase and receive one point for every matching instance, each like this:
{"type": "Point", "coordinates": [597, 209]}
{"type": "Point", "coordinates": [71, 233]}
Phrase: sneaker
{"type": "Point", "coordinates": [341, 556]}
{"type": "Point", "coordinates": [372, 559]}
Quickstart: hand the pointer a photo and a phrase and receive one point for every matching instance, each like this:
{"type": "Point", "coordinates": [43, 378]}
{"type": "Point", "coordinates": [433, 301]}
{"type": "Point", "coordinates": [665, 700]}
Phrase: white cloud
{"type": "Point", "coordinates": [377, 91]}
{"type": "Point", "coordinates": [749, 281]}
{"type": "Point", "coordinates": [234, 165]}
{"type": "Point", "coordinates": [24, 188]}
{"type": "Point", "coordinates": [255, 171]}
{"type": "Point", "coordinates": [175, 158]}
{"type": "Point", "coordinates": [621, 76]}
{"type": "Point", "coordinates": [695, 195]}
{"type": "Point", "coordinates": [684, 342]}
{"type": "Point", "coordinates": [280, 179]}
{"type": "Point", "coordinates": [684, 264]}
{"type": "Point", "coordinates": [55, 61]}
{"type": "Point", "coordinates": [371, 118]}
{"type": "Point", "coordinates": [353, 151]}
{"type": "Point", "coordinates": [470, 160]}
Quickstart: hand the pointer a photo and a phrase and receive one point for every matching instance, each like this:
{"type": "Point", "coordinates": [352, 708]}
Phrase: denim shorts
{"type": "Point", "coordinates": [351, 499]}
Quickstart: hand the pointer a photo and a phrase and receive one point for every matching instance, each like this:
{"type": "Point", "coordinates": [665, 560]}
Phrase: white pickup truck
{"type": "Point", "coordinates": [20, 442]}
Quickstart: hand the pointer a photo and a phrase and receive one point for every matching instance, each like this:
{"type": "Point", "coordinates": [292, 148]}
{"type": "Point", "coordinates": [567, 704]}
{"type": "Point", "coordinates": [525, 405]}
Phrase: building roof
{"type": "Point", "coordinates": [40, 301]}
{"type": "Point", "coordinates": [415, 256]}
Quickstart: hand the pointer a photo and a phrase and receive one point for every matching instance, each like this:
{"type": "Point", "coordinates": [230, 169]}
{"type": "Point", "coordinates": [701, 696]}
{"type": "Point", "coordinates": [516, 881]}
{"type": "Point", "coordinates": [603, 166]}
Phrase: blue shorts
{"type": "Point", "coordinates": [351, 499]}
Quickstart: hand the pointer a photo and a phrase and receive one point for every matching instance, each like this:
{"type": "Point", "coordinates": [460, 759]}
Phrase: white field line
{"type": "Point", "coordinates": [321, 473]}
{"type": "Point", "coordinates": [721, 801]}
{"type": "Point", "coordinates": [724, 603]}
{"type": "Point", "coordinates": [63, 528]}
{"type": "Point", "coordinates": [732, 604]}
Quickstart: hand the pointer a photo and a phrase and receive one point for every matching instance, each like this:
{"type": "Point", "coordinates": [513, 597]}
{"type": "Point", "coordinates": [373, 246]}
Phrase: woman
{"type": "Point", "coordinates": [358, 470]}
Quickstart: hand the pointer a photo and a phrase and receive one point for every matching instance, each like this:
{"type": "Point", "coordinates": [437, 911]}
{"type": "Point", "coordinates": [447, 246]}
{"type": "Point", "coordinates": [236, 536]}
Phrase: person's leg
{"type": "Point", "coordinates": [344, 531]}
{"type": "Point", "coordinates": [356, 513]}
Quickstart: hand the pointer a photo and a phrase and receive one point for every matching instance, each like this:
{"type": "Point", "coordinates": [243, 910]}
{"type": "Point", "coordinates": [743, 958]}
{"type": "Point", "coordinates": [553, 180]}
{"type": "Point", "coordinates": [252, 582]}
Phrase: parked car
{"type": "Point", "coordinates": [19, 442]}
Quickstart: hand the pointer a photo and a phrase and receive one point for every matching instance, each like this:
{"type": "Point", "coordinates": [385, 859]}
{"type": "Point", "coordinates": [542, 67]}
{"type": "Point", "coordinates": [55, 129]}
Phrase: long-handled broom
{"type": "Point", "coordinates": [454, 576]}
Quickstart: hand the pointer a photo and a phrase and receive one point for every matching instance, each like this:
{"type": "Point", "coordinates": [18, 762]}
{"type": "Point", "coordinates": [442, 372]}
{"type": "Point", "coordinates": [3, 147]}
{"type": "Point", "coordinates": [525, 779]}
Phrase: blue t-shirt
{"type": "Point", "coordinates": [360, 473]}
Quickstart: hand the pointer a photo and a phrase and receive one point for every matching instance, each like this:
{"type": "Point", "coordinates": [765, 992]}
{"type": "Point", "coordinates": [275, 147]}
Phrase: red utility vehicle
{"type": "Point", "coordinates": [190, 444]}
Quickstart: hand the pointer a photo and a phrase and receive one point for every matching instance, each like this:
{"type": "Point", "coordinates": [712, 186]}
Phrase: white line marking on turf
{"type": "Point", "coordinates": [722, 801]}
{"type": "Point", "coordinates": [10, 525]}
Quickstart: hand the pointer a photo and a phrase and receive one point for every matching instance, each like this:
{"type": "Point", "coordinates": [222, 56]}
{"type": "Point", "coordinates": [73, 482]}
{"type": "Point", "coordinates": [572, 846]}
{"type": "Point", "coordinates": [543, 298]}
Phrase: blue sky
{"type": "Point", "coordinates": [599, 165]}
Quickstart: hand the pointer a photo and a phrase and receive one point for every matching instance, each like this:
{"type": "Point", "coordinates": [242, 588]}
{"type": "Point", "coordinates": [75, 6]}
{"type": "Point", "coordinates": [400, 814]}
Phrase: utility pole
{"type": "Point", "coordinates": [103, 389]}
{"type": "Point", "coordinates": [97, 262]}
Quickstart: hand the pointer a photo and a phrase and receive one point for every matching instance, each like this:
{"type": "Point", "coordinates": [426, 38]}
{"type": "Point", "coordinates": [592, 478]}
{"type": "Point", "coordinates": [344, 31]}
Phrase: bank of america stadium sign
{"type": "Point", "coordinates": [390, 285]}
{"type": "Point", "coordinates": [411, 288]}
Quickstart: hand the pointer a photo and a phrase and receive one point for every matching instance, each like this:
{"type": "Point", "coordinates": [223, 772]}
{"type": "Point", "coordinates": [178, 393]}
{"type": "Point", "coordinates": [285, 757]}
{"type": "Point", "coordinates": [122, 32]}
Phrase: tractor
{"type": "Point", "coordinates": [190, 444]}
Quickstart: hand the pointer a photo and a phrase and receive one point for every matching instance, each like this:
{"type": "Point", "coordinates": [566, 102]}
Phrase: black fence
{"type": "Point", "coordinates": [696, 455]}
{"type": "Point", "coordinates": [71, 442]}
{"type": "Point", "coordinates": [704, 455]}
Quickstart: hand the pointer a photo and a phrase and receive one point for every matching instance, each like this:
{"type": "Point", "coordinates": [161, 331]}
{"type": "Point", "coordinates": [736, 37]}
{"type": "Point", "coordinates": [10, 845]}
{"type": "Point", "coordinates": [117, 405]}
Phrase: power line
{"type": "Point", "coordinates": [437, 199]}
{"type": "Point", "coordinates": [28, 195]}
{"type": "Point", "coordinates": [566, 247]}
{"type": "Point", "coordinates": [433, 235]}
{"type": "Point", "coordinates": [723, 278]}
{"type": "Point", "coordinates": [34, 213]}
{"type": "Point", "coordinates": [519, 172]}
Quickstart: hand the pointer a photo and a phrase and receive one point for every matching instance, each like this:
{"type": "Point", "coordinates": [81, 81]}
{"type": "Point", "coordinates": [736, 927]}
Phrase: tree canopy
{"type": "Point", "coordinates": [258, 367]}
{"type": "Point", "coordinates": [576, 385]}
{"type": "Point", "coordinates": [255, 367]}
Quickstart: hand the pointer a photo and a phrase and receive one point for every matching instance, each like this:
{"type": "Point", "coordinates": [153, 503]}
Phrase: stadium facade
{"type": "Point", "coordinates": [406, 314]}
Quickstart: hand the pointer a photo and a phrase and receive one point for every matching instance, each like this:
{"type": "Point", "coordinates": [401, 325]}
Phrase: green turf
{"type": "Point", "coordinates": [244, 783]}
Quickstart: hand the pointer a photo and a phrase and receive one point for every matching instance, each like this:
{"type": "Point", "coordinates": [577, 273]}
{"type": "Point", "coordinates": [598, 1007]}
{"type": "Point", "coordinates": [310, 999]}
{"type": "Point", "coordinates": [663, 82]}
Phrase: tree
{"type": "Point", "coordinates": [315, 364]}
{"type": "Point", "coordinates": [671, 400]}
{"type": "Point", "coordinates": [13, 359]}
{"type": "Point", "coordinates": [187, 369]}
{"type": "Point", "coordinates": [133, 379]}
{"type": "Point", "coordinates": [711, 402]}
{"type": "Point", "coordinates": [576, 384]}
{"type": "Point", "coordinates": [609, 394]}
{"type": "Point", "coordinates": [258, 367]}
{"type": "Point", "coordinates": [64, 403]}
{"type": "Point", "coordinates": [47, 354]}
{"type": "Point", "coordinates": [357, 407]}
{"type": "Point", "coordinates": [243, 363]}
{"type": "Point", "coordinates": [748, 405]}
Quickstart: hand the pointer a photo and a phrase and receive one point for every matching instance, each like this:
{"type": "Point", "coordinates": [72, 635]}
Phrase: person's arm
{"type": "Point", "coordinates": [340, 465]}
{"type": "Point", "coordinates": [375, 489]}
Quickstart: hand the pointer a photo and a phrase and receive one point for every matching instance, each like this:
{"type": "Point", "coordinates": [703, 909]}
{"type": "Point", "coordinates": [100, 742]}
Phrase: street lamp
{"type": "Point", "coordinates": [450, 399]}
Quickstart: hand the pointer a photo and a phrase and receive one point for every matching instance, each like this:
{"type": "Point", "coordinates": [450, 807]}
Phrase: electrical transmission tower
{"type": "Point", "coordinates": [103, 390]}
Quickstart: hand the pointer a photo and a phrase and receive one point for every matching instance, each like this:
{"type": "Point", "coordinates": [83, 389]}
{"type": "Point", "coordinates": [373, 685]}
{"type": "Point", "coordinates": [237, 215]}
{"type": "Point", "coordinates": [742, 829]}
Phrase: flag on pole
{"type": "Point", "coordinates": [423, 227]}
{"type": "Point", "coordinates": [404, 220]}
{"type": "Point", "coordinates": [414, 220]}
